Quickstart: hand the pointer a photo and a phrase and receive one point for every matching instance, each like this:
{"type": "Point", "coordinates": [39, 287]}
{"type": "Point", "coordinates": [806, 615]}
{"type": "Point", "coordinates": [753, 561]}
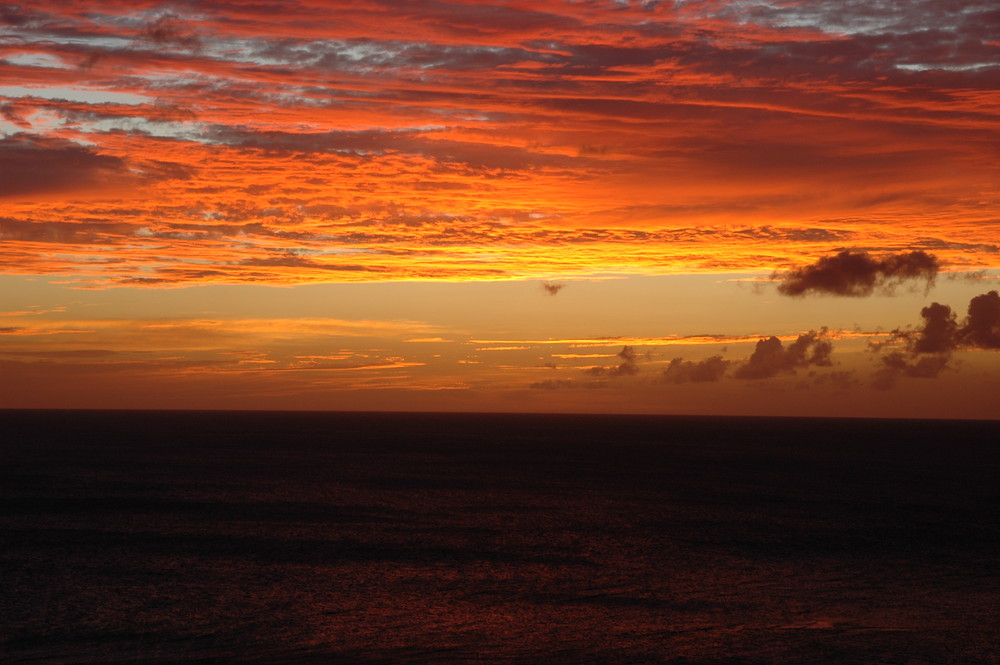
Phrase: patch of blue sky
{"type": "Point", "coordinates": [188, 131]}
{"type": "Point", "coordinates": [925, 66]}
{"type": "Point", "coordinates": [43, 60]}
{"type": "Point", "coordinates": [84, 95]}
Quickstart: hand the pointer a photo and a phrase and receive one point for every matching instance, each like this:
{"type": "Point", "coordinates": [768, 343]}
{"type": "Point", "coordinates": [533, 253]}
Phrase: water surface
{"type": "Point", "coordinates": [176, 537]}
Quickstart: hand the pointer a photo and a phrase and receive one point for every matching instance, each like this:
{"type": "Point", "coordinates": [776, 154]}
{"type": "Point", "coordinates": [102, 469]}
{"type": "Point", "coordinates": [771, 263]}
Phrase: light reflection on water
{"type": "Point", "coordinates": [472, 539]}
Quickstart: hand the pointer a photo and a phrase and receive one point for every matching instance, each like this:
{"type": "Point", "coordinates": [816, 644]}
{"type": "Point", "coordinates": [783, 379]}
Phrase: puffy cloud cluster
{"type": "Point", "coordinates": [938, 334]}
{"type": "Point", "coordinates": [703, 371]}
{"type": "Point", "coordinates": [857, 273]}
{"type": "Point", "coordinates": [941, 332]}
{"type": "Point", "coordinates": [982, 327]}
{"type": "Point", "coordinates": [771, 358]}
{"type": "Point", "coordinates": [928, 350]}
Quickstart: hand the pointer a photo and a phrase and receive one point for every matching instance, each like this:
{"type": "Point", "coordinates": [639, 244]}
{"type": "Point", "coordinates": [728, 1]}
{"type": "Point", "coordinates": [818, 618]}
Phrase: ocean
{"type": "Point", "coordinates": [378, 538]}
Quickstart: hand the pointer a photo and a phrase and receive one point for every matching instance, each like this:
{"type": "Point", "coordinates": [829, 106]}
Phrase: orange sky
{"type": "Point", "coordinates": [358, 205]}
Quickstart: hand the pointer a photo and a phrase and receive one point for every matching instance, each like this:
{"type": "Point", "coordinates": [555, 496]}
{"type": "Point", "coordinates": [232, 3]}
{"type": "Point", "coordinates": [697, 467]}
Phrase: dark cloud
{"type": "Point", "coordinates": [628, 354]}
{"type": "Point", "coordinates": [33, 165]}
{"type": "Point", "coordinates": [771, 358]}
{"type": "Point", "coordinates": [552, 288]}
{"type": "Point", "coordinates": [853, 273]}
{"type": "Point", "coordinates": [683, 371]}
{"type": "Point", "coordinates": [982, 327]}
{"type": "Point", "coordinates": [91, 60]}
{"type": "Point", "coordinates": [926, 367]}
{"type": "Point", "coordinates": [938, 334]}
{"type": "Point", "coordinates": [897, 364]}
{"type": "Point", "coordinates": [166, 30]}
{"type": "Point", "coordinates": [928, 350]}
{"type": "Point", "coordinates": [65, 232]}
{"type": "Point", "coordinates": [364, 143]}
{"type": "Point", "coordinates": [628, 366]}
{"type": "Point", "coordinates": [941, 332]}
{"type": "Point", "coordinates": [11, 114]}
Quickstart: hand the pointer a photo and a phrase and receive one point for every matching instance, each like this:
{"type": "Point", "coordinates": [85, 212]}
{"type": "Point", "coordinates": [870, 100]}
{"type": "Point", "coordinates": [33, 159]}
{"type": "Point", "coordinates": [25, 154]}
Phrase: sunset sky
{"type": "Point", "coordinates": [704, 207]}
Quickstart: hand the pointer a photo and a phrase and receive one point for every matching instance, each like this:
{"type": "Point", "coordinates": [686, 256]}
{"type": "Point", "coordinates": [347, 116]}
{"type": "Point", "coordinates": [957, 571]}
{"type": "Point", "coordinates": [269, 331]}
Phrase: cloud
{"type": "Point", "coordinates": [770, 358]}
{"type": "Point", "coordinates": [628, 366]}
{"type": "Point", "coordinates": [897, 364]}
{"type": "Point", "coordinates": [708, 370]}
{"type": "Point", "coordinates": [427, 143]}
{"type": "Point", "coordinates": [929, 349]}
{"type": "Point", "coordinates": [65, 233]}
{"type": "Point", "coordinates": [552, 288]}
{"type": "Point", "coordinates": [34, 165]}
{"type": "Point", "coordinates": [166, 30]}
{"type": "Point", "coordinates": [857, 273]}
{"type": "Point", "coordinates": [453, 129]}
{"type": "Point", "coordinates": [926, 367]}
{"type": "Point", "coordinates": [10, 113]}
{"type": "Point", "coordinates": [982, 327]}
{"type": "Point", "coordinates": [941, 332]}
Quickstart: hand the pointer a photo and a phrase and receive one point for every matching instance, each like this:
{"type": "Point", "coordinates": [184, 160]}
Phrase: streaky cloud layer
{"type": "Point", "coordinates": [156, 144]}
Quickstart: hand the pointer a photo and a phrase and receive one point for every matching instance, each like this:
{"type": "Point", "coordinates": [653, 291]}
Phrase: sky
{"type": "Point", "coordinates": [691, 207]}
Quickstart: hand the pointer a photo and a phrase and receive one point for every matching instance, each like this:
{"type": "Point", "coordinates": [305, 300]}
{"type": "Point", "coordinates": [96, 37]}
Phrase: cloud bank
{"type": "Point", "coordinates": [453, 141]}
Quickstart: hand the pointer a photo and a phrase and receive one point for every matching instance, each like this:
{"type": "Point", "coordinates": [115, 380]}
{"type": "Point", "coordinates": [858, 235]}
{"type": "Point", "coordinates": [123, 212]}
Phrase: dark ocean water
{"type": "Point", "coordinates": [130, 537]}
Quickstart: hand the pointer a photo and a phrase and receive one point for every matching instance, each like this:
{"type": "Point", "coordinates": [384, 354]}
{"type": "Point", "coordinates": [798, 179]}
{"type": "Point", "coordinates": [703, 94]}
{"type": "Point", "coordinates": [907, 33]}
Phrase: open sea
{"type": "Point", "coordinates": [375, 538]}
